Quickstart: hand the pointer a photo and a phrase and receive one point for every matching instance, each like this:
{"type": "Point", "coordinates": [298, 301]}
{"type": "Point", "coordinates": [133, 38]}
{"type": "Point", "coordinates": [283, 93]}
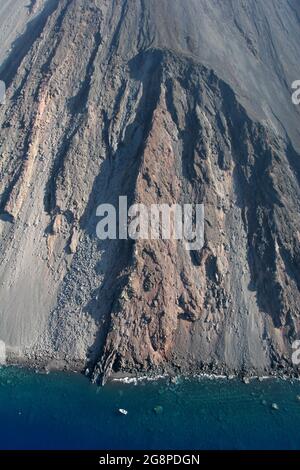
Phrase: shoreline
{"type": "Point", "coordinates": [135, 378]}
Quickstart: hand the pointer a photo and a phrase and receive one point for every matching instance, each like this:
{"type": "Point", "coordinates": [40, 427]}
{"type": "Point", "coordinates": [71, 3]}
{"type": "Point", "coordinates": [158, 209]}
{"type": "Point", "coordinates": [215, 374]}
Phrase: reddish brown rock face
{"type": "Point", "coordinates": [190, 310]}
{"type": "Point", "coordinates": [165, 102]}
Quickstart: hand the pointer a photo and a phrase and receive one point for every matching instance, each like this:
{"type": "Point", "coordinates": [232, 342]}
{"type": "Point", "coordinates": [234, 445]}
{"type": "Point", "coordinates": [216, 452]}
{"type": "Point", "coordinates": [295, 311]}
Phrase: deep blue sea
{"type": "Point", "coordinates": [65, 411]}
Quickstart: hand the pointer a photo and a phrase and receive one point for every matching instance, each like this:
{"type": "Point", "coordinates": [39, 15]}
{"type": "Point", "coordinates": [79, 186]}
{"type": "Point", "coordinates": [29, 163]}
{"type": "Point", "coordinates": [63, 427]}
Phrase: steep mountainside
{"type": "Point", "coordinates": [163, 101]}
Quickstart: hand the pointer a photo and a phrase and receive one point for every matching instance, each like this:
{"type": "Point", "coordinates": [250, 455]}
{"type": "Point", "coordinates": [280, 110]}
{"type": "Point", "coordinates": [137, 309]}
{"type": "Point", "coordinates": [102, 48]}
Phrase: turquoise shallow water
{"type": "Point", "coordinates": [65, 411]}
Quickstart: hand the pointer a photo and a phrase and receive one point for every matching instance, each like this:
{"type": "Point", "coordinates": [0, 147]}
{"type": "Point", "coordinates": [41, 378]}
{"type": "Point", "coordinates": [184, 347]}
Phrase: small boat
{"type": "Point", "coordinates": [123, 412]}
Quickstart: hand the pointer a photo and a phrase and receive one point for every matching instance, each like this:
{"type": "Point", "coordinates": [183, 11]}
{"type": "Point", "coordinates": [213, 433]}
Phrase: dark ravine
{"type": "Point", "coordinates": [163, 101]}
